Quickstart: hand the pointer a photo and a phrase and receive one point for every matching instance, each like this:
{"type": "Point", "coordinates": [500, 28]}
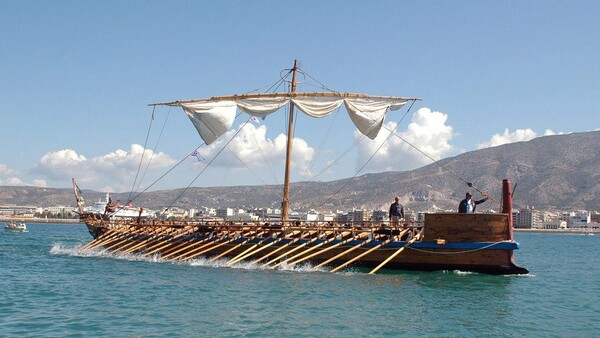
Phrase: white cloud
{"type": "Point", "coordinates": [5, 170]}
{"type": "Point", "coordinates": [39, 183]}
{"type": "Point", "coordinates": [11, 181]}
{"type": "Point", "coordinates": [116, 168]}
{"type": "Point", "coordinates": [252, 148]}
{"type": "Point", "coordinates": [508, 137]}
{"type": "Point", "coordinates": [427, 131]}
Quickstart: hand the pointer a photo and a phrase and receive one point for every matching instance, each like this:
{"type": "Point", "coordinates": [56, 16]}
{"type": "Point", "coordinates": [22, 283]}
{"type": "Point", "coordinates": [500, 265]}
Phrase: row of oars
{"type": "Point", "coordinates": [188, 242]}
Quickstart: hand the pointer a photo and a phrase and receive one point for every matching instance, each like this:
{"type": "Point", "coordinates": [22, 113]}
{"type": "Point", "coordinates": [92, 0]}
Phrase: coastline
{"type": "Point", "coordinates": [77, 221]}
{"type": "Point", "coordinates": [28, 220]}
{"type": "Point", "coordinates": [562, 231]}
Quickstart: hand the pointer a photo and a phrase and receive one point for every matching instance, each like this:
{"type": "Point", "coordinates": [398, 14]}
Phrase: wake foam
{"type": "Point", "coordinates": [77, 251]}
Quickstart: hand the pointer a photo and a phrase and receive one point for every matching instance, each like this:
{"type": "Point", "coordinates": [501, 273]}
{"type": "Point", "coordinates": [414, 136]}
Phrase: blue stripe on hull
{"type": "Point", "coordinates": [504, 245]}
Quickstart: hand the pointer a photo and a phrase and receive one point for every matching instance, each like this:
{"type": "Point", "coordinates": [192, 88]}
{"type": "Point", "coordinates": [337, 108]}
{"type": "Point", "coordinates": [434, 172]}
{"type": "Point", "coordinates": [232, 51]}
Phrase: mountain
{"type": "Point", "coordinates": [559, 171]}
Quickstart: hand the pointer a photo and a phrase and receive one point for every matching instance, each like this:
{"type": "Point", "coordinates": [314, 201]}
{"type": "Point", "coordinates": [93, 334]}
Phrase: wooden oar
{"type": "Point", "coordinates": [290, 252]}
{"type": "Point", "coordinates": [343, 253]}
{"type": "Point", "coordinates": [150, 232]}
{"type": "Point", "coordinates": [244, 255]}
{"type": "Point", "coordinates": [248, 249]}
{"type": "Point", "coordinates": [225, 235]}
{"type": "Point", "coordinates": [156, 234]}
{"type": "Point", "coordinates": [117, 235]}
{"type": "Point", "coordinates": [97, 239]}
{"type": "Point", "coordinates": [234, 247]}
{"type": "Point", "coordinates": [109, 235]}
{"type": "Point", "coordinates": [277, 250]}
{"type": "Point", "coordinates": [218, 245]}
{"type": "Point", "coordinates": [177, 244]}
{"type": "Point", "coordinates": [281, 248]}
{"type": "Point", "coordinates": [169, 242]}
{"type": "Point", "coordinates": [187, 246]}
{"type": "Point", "coordinates": [125, 238]}
{"type": "Point", "coordinates": [361, 255]}
{"type": "Point", "coordinates": [416, 238]}
{"type": "Point", "coordinates": [328, 248]}
{"type": "Point", "coordinates": [161, 239]}
{"type": "Point", "coordinates": [192, 253]}
{"type": "Point", "coordinates": [308, 250]}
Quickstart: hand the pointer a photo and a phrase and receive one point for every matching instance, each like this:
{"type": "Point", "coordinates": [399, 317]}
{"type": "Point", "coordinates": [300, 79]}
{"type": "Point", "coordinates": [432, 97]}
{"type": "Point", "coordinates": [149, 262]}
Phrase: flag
{"type": "Point", "coordinates": [254, 119]}
{"type": "Point", "coordinates": [197, 155]}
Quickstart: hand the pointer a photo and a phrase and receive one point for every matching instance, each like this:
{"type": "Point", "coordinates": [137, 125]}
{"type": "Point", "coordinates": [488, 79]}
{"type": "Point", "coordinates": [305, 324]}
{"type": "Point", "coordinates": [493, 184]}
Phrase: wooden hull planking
{"type": "Point", "coordinates": [466, 242]}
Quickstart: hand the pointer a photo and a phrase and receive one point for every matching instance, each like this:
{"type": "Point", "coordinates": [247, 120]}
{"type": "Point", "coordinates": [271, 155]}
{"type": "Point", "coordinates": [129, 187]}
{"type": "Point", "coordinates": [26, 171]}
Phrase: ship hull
{"type": "Point", "coordinates": [475, 242]}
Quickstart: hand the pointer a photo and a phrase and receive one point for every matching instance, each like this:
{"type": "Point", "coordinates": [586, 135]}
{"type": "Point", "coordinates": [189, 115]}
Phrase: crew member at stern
{"type": "Point", "coordinates": [468, 205]}
{"type": "Point", "coordinates": [396, 212]}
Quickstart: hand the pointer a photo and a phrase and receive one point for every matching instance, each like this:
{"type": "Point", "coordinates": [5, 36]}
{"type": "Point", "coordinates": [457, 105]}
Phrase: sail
{"type": "Point", "coordinates": [213, 117]}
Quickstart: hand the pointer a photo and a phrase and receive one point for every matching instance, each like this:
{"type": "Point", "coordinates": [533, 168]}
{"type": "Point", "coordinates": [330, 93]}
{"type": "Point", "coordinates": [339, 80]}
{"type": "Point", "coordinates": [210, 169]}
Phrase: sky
{"type": "Point", "coordinates": [76, 78]}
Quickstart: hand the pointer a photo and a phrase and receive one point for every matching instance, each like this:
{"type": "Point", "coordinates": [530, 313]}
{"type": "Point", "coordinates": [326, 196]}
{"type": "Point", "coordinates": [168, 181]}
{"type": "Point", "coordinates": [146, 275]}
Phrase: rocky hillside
{"type": "Point", "coordinates": [561, 171]}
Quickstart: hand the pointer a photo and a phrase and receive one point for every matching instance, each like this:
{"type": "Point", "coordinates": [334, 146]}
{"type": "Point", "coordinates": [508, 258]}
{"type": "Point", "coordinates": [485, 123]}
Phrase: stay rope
{"type": "Point", "coordinates": [142, 157]}
{"type": "Point", "coordinates": [208, 164]}
{"type": "Point", "coordinates": [370, 158]}
{"type": "Point", "coordinates": [154, 150]}
{"type": "Point", "coordinates": [436, 162]}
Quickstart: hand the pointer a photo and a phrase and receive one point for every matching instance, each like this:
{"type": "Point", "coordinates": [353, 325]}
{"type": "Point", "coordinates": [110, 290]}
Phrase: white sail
{"type": "Point", "coordinates": [211, 118]}
{"type": "Point", "coordinates": [214, 117]}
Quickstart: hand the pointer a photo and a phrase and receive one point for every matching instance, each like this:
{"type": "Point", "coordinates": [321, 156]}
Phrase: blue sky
{"type": "Point", "coordinates": [76, 78]}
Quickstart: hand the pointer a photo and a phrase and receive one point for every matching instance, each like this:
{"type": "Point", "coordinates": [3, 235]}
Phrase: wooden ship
{"type": "Point", "coordinates": [444, 241]}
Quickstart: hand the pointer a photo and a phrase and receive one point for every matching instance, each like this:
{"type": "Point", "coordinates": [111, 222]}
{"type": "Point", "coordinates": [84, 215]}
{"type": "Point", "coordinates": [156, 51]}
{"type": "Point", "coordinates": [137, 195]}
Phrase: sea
{"type": "Point", "coordinates": [51, 288]}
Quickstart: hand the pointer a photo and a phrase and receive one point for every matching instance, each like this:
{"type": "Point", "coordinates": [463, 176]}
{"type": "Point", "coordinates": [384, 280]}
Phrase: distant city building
{"type": "Point", "coordinates": [554, 224]}
{"type": "Point", "coordinates": [595, 217]}
{"type": "Point", "coordinates": [528, 218]}
{"type": "Point", "coordinates": [224, 213]}
{"type": "Point", "coordinates": [380, 215]}
{"type": "Point", "coordinates": [326, 217]}
{"type": "Point", "coordinates": [361, 215]}
{"type": "Point", "coordinates": [11, 210]}
{"type": "Point", "coordinates": [579, 219]}
{"type": "Point", "coordinates": [311, 216]}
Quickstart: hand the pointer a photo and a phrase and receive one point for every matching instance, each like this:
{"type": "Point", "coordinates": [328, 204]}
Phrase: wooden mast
{"type": "Point", "coordinates": [285, 204]}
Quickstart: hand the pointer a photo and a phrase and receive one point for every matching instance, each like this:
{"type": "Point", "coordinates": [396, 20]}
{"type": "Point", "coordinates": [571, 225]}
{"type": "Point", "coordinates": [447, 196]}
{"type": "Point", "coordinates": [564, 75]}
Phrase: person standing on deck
{"type": "Point", "coordinates": [396, 212]}
{"type": "Point", "coordinates": [468, 205]}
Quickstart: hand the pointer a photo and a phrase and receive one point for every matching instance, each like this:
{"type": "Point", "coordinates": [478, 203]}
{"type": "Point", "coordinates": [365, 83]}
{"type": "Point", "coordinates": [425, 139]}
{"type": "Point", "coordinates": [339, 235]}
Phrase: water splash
{"type": "Point", "coordinates": [77, 251]}
{"type": "Point", "coordinates": [248, 265]}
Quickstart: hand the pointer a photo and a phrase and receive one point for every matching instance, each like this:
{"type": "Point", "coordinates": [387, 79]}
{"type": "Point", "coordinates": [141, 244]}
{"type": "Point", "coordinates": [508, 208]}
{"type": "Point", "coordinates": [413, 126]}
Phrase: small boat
{"type": "Point", "coordinates": [444, 241]}
{"type": "Point", "coordinates": [16, 226]}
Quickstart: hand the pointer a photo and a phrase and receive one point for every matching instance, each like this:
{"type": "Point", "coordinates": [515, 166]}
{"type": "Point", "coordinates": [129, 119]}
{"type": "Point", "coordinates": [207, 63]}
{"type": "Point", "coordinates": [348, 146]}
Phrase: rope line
{"type": "Point", "coordinates": [207, 165]}
{"type": "Point", "coordinates": [154, 150]}
{"type": "Point", "coordinates": [457, 252]}
{"type": "Point", "coordinates": [370, 158]}
{"type": "Point", "coordinates": [142, 157]}
{"type": "Point", "coordinates": [471, 185]}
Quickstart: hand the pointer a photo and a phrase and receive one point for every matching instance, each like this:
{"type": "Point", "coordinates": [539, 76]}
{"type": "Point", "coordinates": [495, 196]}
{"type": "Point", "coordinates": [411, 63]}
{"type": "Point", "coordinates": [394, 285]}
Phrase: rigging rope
{"type": "Point", "coordinates": [143, 152]}
{"type": "Point", "coordinates": [207, 165]}
{"type": "Point", "coordinates": [370, 158]}
{"type": "Point", "coordinates": [471, 185]}
{"type": "Point", "coordinates": [312, 163]}
{"type": "Point", "coordinates": [154, 150]}
{"type": "Point", "coordinates": [251, 171]}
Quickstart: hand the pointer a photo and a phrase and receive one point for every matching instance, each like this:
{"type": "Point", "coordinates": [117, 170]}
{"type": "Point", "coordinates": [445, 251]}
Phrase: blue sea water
{"type": "Point", "coordinates": [49, 288]}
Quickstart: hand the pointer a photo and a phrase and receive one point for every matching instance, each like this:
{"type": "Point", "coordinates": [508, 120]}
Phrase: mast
{"type": "Point", "coordinates": [285, 204]}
